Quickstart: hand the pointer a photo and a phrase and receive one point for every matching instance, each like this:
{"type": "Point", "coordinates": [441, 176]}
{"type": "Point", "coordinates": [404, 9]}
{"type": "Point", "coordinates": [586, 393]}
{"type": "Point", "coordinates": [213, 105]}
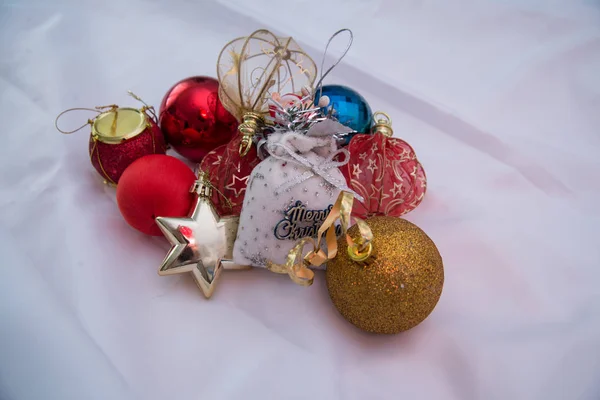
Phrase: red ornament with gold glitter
{"type": "Point", "coordinates": [193, 119]}
{"type": "Point", "coordinates": [385, 171]}
{"type": "Point", "coordinates": [119, 136]}
{"type": "Point", "coordinates": [228, 171]}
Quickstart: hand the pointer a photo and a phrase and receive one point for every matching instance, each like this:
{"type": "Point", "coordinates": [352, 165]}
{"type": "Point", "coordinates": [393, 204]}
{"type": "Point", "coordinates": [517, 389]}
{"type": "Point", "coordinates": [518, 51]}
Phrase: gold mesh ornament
{"type": "Point", "coordinates": [252, 68]}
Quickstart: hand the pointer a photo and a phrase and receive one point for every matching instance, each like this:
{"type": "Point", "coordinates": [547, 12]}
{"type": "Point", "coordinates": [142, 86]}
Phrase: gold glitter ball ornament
{"type": "Point", "coordinates": [397, 288]}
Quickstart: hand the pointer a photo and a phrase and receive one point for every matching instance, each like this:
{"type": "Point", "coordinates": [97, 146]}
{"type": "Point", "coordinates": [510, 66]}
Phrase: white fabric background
{"type": "Point", "coordinates": [501, 101]}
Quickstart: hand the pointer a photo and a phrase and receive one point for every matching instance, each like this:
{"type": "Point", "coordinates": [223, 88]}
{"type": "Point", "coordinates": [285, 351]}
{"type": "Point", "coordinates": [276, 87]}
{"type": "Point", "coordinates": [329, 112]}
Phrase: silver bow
{"type": "Point", "coordinates": [282, 151]}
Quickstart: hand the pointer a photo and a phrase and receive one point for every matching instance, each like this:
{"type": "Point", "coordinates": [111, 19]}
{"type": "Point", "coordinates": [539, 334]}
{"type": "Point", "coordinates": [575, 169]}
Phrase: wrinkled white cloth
{"type": "Point", "coordinates": [499, 98]}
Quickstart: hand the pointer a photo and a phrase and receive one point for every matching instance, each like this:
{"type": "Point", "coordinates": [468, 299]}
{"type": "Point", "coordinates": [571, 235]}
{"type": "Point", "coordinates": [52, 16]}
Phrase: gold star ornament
{"type": "Point", "coordinates": [202, 243]}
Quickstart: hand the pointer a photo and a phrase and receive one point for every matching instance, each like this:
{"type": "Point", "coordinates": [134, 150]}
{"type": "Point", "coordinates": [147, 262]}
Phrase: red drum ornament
{"type": "Point", "coordinates": [229, 171]}
{"type": "Point", "coordinates": [385, 171]}
{"type": "Point", "coordinates": [193, 119]}
{"type": "Point", "coordinates": [119, 136]}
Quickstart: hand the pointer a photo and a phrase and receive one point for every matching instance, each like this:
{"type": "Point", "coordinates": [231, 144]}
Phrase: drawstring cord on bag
{"type": "Point", "coordinates": [321, 169]}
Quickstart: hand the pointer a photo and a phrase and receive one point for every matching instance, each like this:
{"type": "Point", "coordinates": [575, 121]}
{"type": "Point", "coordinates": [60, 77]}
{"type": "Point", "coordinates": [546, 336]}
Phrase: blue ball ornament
{"type": "Point", "coordinates": [350, 108]}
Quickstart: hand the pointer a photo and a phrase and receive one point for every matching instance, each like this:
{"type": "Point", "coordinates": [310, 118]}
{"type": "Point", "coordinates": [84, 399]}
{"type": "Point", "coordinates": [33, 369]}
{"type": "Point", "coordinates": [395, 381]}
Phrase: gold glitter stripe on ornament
{"type": "Point", "coordinates": [297, 267]}
{"type": "Point", "coordinates": [152, 136]}
{"type": "Point", "coordinates": [107, 179]}
{"type": "Point", "coordinates": [145, 110]}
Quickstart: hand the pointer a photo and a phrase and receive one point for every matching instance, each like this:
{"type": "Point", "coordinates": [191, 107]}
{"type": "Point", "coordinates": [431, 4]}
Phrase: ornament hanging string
{"type": "Point", "coordinates": [359, 250]}
{"type": "Point", "coordinates": [319, 85]}
{"type": "Point", "coordinates": [146, 107]}
{"type": "Point", "coordinates": [98, 110]}
{"type": "Point", "coordinates": [101, 109]}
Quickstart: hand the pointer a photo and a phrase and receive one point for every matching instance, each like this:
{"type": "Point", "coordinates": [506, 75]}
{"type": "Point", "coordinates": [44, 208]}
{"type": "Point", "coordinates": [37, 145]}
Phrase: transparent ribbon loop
{"type": "Point", "coordinates": [296, 266]}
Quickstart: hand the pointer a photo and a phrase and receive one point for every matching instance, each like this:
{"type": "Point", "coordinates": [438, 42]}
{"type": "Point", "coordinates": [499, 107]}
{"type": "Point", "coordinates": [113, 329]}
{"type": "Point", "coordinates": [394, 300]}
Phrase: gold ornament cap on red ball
{"type": "Point", "coordinates": [397, 288]}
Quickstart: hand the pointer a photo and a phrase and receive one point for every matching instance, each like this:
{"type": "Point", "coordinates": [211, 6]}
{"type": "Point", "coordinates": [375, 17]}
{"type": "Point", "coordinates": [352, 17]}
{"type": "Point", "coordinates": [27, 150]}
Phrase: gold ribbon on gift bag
{"type": "Point", "coordinates": [359, 250]}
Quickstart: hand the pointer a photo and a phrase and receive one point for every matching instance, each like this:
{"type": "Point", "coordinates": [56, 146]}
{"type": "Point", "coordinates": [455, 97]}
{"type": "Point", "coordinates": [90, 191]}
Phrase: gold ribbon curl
{"type": "Point", "coordinates": [297, 267]}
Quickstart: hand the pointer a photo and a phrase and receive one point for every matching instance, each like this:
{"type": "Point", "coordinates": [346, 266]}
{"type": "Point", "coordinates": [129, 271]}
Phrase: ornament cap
{"type": "Point", "coordinates": [358, 255]}
{"type": "Point", "coordinates": [202, 186]}
{"type": "Point", "coordinates": [251, 124]}
{"type": "Point", "coordinates": [383, 124]}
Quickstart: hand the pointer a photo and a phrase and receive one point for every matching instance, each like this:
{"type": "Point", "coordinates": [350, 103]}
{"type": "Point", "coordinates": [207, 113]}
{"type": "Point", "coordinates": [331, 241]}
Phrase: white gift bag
{"type": "Point", "coordinates": [290, 193]}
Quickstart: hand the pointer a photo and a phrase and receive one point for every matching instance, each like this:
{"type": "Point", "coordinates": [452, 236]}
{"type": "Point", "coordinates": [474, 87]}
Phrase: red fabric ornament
{"type": "Point", "coordinates": [385, 171]}
{"type": "Point", "coordinates": [229, 172]}
{"type": "Point", "coordinates": [153, 186]}
{"type": "Point", "coordinates": [193, 119]}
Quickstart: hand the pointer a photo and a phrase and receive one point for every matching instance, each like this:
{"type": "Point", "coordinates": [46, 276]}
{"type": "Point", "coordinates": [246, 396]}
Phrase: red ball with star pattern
{"type": "Point", "coordinates": [193, 119]}
{"type": "Point", "coordinates": [229, 173]}
{"type": "Point", "coordinates": [385, 171]}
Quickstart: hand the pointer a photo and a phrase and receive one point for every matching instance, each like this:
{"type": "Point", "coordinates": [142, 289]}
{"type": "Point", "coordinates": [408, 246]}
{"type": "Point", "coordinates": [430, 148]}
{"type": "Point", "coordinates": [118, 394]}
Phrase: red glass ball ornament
{"type": "Point", "coordinates": [386, 172]}
{"type": "Point", "coordinates": [229, 172]}
{"type": "Point", "coordinates": [193, 119]}
{"type": "Point", "coordinates": [155, 186]}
